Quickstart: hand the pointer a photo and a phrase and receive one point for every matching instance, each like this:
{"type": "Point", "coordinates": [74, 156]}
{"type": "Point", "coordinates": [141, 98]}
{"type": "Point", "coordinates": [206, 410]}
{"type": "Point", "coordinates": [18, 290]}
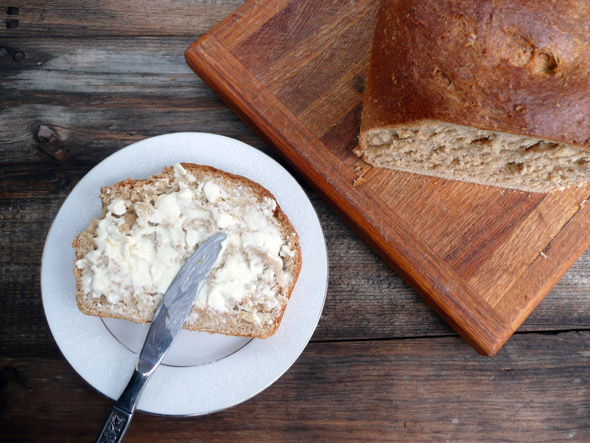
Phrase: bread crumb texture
{"type": "Point", "coordinates": [474, 155]}
{"type": "Point", "coordinates": [128, 257]}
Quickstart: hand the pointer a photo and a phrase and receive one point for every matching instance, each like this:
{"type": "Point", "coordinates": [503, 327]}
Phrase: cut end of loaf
{"type": "Point", "coordinates": [479, 156]}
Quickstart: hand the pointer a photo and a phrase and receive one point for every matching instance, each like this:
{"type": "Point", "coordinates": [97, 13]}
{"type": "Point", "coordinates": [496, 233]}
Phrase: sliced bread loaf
{"type": "Point", "coordinates": [489, 92]}
{"type": "Point", "coordinates": [128, 257]}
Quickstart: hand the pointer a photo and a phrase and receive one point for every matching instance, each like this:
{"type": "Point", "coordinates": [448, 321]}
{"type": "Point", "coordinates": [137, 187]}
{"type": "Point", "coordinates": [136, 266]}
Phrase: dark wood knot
{"type": "Point", "coordinates": [11, 23]}
{"type": "Point", "coordinates": [9, 375]}
{"type": "Point", "coordinates": [48, 141]}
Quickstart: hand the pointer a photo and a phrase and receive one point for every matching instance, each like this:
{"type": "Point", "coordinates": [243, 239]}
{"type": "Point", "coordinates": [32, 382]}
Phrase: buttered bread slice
{"type": "Point", "coordinates": [128, 257]}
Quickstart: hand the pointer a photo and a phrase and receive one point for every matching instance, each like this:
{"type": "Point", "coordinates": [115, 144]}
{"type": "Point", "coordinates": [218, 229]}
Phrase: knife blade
{"type": "Point", "coordinates": [166, 325]}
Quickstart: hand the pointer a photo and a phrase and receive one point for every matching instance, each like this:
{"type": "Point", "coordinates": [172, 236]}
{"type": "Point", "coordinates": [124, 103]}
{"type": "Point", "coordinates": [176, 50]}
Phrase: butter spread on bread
{"type": "Point", "coordinates": [127, 259]}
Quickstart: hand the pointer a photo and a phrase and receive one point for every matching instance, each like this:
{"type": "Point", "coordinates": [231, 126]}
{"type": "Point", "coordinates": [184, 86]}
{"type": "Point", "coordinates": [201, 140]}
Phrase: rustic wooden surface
{"type": "Point", "coordinates": [381, 365]}
{"type": "Point", "coordinates": [481, 256]}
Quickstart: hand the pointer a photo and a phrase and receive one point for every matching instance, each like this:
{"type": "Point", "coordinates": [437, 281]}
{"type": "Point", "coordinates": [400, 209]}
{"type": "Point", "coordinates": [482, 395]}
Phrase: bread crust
{"type": "Point", "coordinates": [127, 189]}
{"type": "Point", "coordinates": [514, 66]}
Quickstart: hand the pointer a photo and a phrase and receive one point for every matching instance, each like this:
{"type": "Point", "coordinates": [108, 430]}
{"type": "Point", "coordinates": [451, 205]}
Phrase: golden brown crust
{"type": "Point", "coordinates": [131, 190]}
{"type": "Point", "coordinates": [514, 66]}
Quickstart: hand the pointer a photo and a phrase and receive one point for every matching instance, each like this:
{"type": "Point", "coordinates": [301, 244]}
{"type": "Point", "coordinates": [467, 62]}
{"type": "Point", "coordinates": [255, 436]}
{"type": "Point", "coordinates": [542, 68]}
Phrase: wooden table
{"type": "Point", "coordinates": [81, 79]}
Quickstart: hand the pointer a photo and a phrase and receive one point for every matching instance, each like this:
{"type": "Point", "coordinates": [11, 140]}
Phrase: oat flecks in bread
{"type": "Point", "coordinates": [127, 258]}
{"type": "Point", "coordinates": [489, 92]}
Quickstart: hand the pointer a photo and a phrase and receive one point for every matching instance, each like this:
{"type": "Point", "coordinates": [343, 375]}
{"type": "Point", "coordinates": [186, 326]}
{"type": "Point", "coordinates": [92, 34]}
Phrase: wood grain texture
{"type": "Point", "coordinates": [295, 74]}
{"type": "Point", "coordinates": [361, 391]}
{"type": "Point", "coordinates": [115, 18]}
{"type": "Point", "coordinates": [100, 98]}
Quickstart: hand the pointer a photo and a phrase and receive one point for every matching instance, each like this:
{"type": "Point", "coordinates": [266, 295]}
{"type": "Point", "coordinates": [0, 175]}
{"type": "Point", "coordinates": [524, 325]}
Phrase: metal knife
{"type": "Point", "coordinates": [166, 325]}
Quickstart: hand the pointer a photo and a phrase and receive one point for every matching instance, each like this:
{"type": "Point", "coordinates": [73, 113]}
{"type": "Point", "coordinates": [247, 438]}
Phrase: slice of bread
{"type": "Point", "coordinates": [128, 257]}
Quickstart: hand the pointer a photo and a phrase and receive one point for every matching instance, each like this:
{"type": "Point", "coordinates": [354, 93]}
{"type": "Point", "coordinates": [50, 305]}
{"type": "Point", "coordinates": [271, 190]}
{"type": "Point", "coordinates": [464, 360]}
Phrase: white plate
{"type": "Point", "coordinates": [203, 373]}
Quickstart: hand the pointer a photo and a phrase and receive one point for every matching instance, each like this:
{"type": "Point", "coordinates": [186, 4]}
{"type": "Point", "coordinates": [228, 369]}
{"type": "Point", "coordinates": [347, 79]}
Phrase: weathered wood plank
{"type": "Point", "coordinates": [108, 67]}
{"type": "Point", "coordinates": [535, 389]}
{"type": "Point", "coordinates": [89, 134]}
{"type": "Point", "coordinates": [99, 99]}
{"type": "Point", "coordinates": [112, 17]}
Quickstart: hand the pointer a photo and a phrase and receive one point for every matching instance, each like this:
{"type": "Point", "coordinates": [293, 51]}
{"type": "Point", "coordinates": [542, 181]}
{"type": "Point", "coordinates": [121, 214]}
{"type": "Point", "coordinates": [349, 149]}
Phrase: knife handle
{"type": "Point", "coordinates": [120, 418]}
{"type": "Point", "coordinates": [115, 427]}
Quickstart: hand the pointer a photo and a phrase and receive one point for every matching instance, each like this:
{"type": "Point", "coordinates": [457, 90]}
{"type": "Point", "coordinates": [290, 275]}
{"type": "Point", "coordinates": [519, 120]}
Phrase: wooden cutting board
{"type": "Point", "coordinates": [482, 257]}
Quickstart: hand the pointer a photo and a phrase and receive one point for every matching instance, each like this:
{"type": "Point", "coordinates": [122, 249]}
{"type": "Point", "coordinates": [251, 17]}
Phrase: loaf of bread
{"type": "Point", "coordinates": [127, 258]}
{"type": "Point", "coordinates": [492, 92]}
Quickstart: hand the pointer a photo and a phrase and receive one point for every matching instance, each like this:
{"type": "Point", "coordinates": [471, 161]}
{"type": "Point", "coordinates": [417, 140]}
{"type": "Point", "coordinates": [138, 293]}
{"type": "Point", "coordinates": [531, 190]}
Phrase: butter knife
{"type": "Point", "coordinates": [166, 325]}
